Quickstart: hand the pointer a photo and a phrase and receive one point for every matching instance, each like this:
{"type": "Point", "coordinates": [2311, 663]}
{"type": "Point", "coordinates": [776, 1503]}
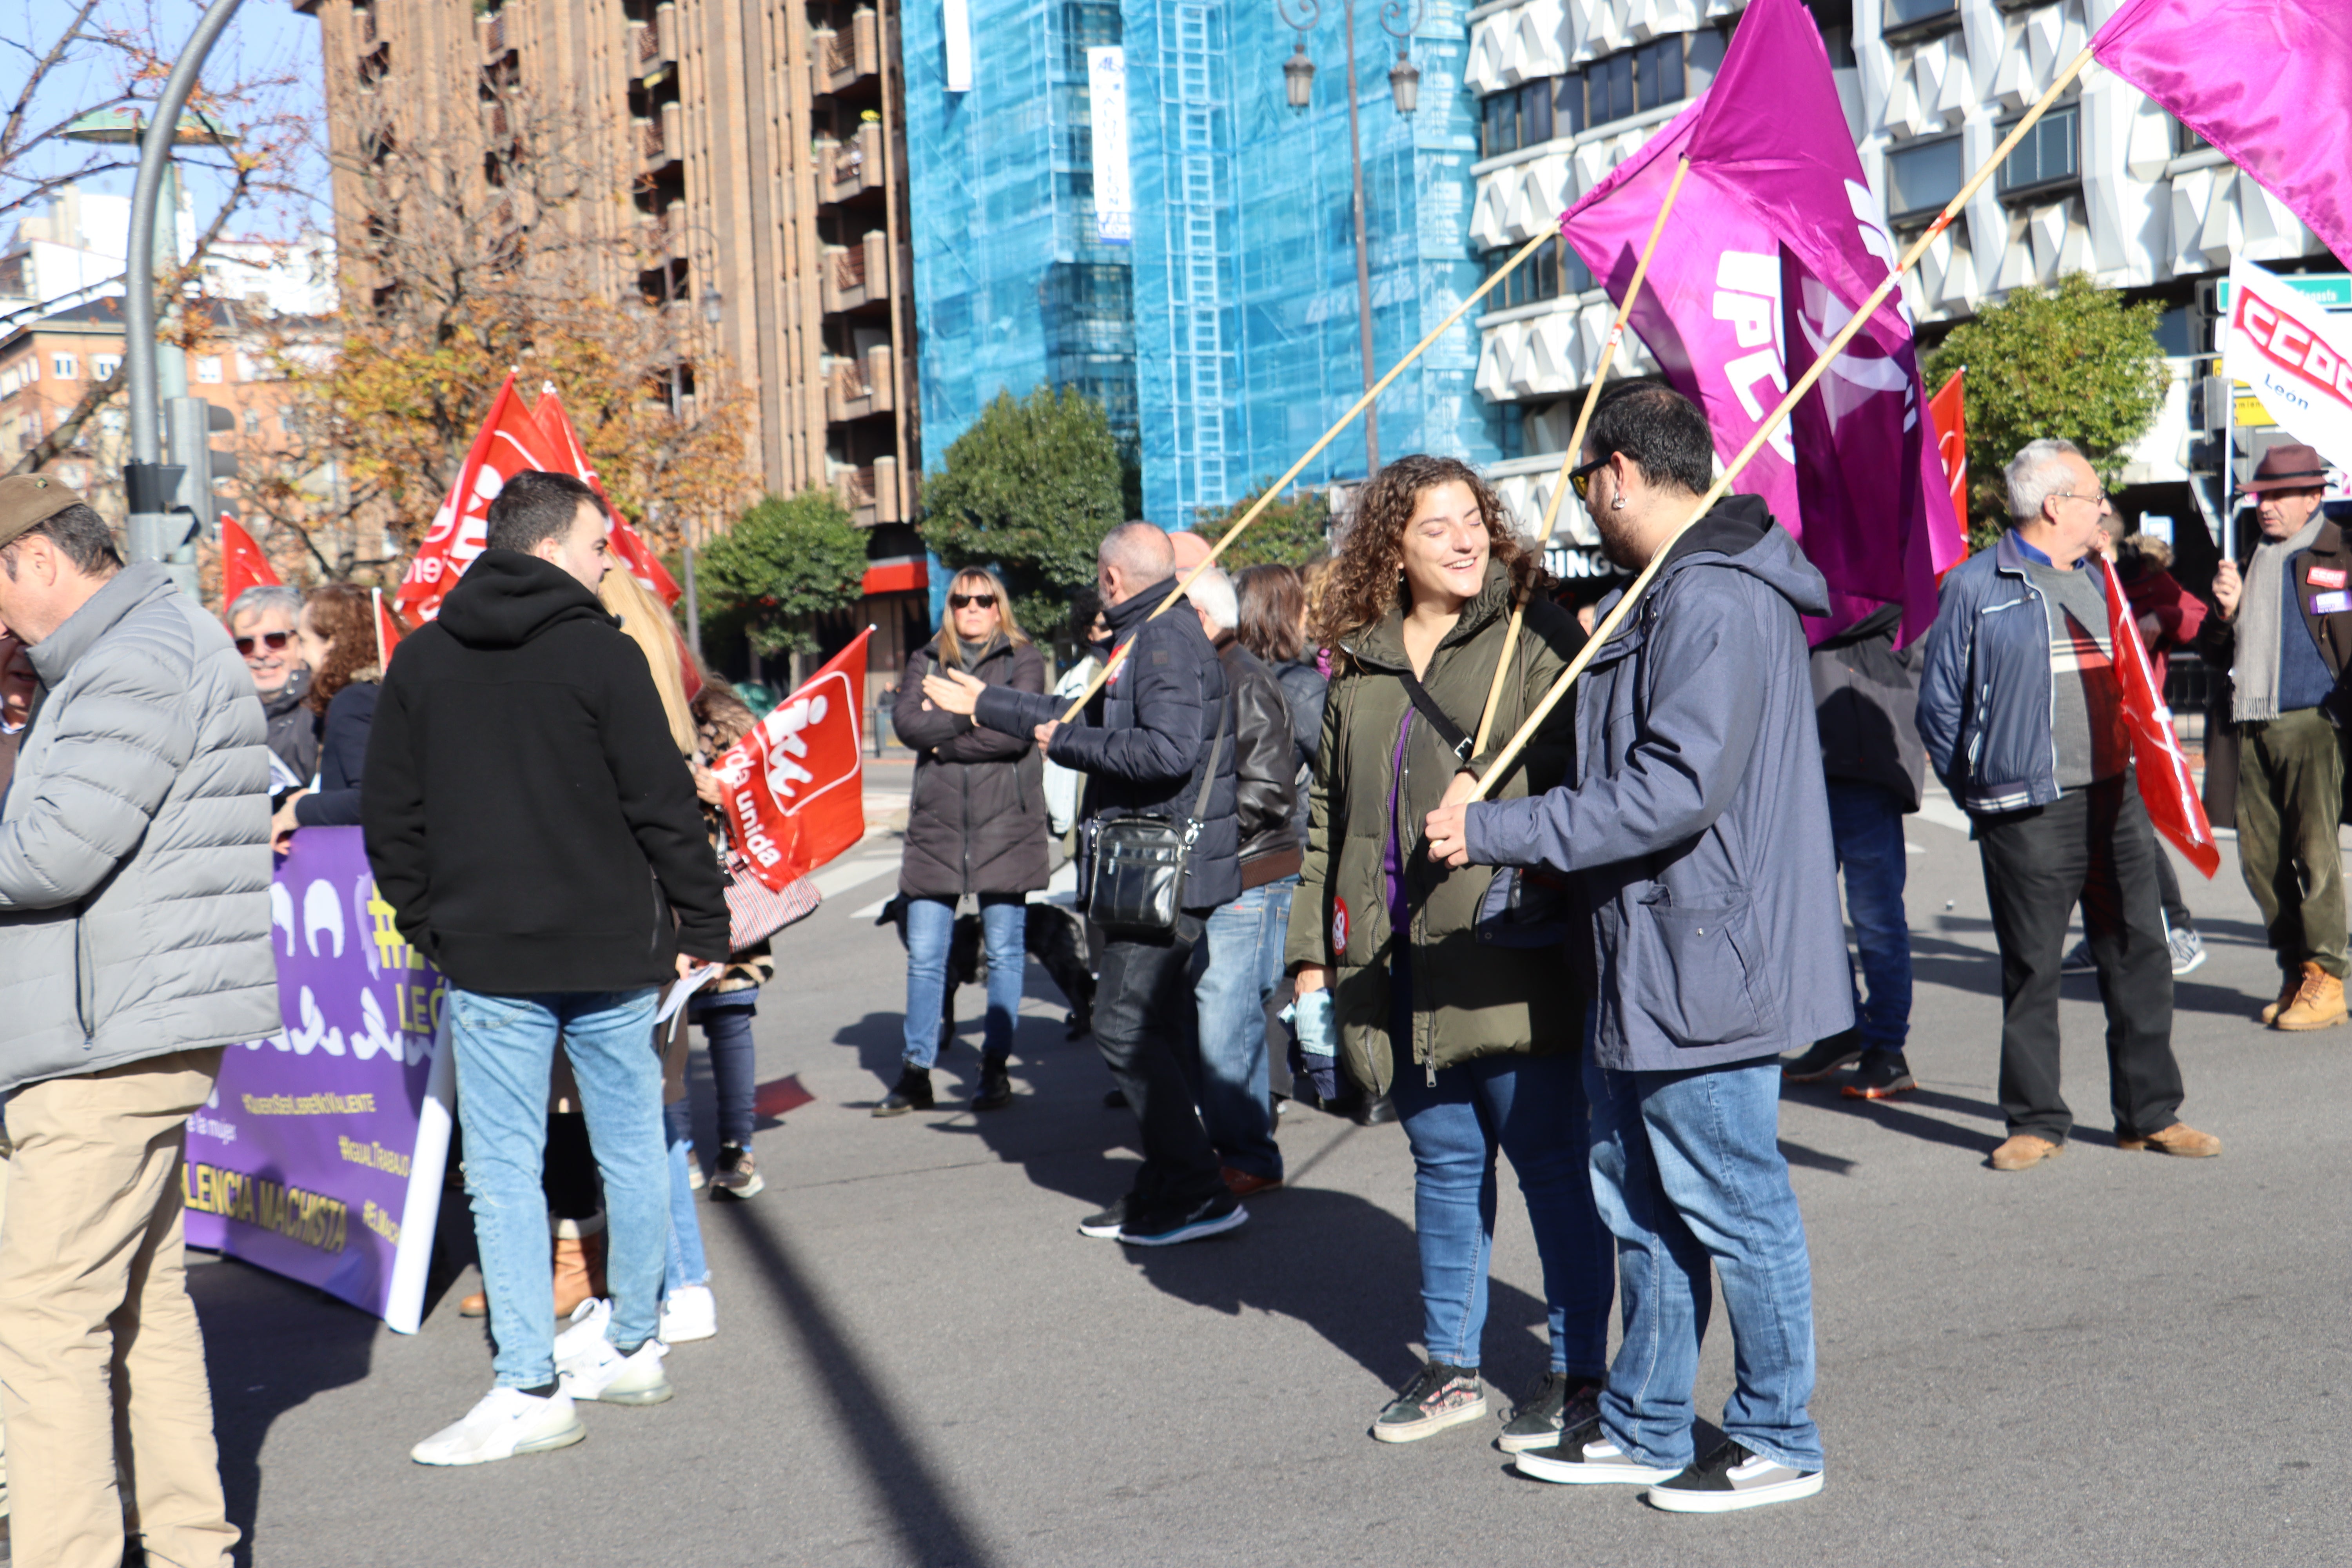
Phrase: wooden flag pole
{"type": "Point", "coordinates": [1560, 485]}
{"type": "Point", "coordinates": [1813, 372]}
{"type": "Point", "coordinates": [1300, 467]}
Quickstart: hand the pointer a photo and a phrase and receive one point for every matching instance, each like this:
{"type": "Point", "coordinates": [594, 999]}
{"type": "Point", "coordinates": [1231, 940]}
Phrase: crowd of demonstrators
{"type": "Point", "coordinates": [1162, 749]}
{"type": "Point", "coordinates": [975, 828]}
{"type": "Point", "coordinates": [725, 1006]}
{"type": "Point", "coordinates": [1694, 825]}
{"type": "Point", "coordinates": [1866, 706]}
{"type": "Point", "coordinates": [1237, 964]}
{"type": "Point", "coordinates": [1444, 983]}
{"type": "Point", "coordinates": [530, 822]}
{"type": "Point", "coordinates": [337, 637]}
{"type": "Point", "coordinates": [263, 624]}
{"type": "Point", "coordinates": [2282, 631]}
{"type": "Point", "coordinates": [2021, 716]}
{"type": "Point", "coordinates": [134, 854]}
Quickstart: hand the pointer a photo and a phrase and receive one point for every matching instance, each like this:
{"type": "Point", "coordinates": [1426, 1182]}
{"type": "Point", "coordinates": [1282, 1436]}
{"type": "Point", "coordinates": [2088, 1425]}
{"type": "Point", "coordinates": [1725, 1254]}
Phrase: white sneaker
{"type": "Point", "coordinates": [505, 1422]}
{"type": "Point", "coordinates": [602, 1373]}
{"type": "Point", "coordinates": [688, 1313]}
{"type": "Point", "coordinates": [584, 1332]}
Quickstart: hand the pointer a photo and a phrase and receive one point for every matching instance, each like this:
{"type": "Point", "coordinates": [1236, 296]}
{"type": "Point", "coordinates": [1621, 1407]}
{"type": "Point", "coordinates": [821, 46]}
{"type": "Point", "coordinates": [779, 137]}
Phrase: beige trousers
{"type": "Point", "coordinates": [103, 1387]}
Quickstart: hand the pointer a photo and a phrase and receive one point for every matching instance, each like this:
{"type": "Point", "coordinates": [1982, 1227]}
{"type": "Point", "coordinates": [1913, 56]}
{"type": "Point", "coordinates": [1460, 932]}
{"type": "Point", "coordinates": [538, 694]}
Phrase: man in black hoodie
{"type": "Point", "coordinates": [1163, 708]}
{"type": "Point", "coordinates": [530, 823]}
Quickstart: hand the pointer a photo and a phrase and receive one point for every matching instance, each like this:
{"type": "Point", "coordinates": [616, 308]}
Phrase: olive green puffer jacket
{"type": "Point", "coordinates": [1470, 996]}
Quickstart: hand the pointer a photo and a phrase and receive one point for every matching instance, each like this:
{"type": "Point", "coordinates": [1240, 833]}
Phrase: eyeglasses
{"type": "Point", "coordinates": [985, 601]}
{"type": "Point", "coordinates": [1581, 475]}
{"type": "Point", "coordinates": [274, 641]}
{"type": "Point", "coordinates": [2096, 498]}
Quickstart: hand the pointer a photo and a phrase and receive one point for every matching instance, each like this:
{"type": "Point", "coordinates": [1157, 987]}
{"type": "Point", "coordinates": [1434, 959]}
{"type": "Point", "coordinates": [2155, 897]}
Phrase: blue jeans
{"type": "Point", "coordinates": [726, 1021]}
{"type": "Point", "coordinates": [1230, 986]}
{"type": "Point", "coordinates": [686, 1264]}
{"type": "Point", "coordinates": [505, 1052]}
{"type": "Point", "coordinates": [1687, 1170]}
{"type": "Point", "coordinates": [1866, 826]}
{"type": "Point", "coordinates": [1532, 1109]}
{"type": "Point", "coordinates": [930, 927]}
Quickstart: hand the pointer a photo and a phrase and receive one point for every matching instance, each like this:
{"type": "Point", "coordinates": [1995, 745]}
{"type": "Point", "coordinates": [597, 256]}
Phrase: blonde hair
{"type": "Point", "coordinates": [649, 626]}
{"type": "Point", "coordinates": [952, 645]}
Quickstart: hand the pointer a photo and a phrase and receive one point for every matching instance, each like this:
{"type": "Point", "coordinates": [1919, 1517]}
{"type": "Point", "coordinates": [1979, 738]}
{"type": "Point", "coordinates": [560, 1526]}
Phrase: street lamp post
{"type": "Point", "coordinates": [1398, 19]}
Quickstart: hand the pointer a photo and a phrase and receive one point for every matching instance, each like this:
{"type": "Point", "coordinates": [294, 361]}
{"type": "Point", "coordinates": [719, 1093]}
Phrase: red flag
{"type": "Point", "coordinates": [243, 565]}
{"type": "Point", "coordinates": [387, 629]}
{"type": "Point", "coordinates": [1950, 414]}
{"type": "Point", "coordinates": [629, 546]}
{"type": "Point", "coordinates": [2165, 783]}
{"type": "Point", "coordinates": [507, 444]}
{"type": "Point", "coordinates": [795, 785]}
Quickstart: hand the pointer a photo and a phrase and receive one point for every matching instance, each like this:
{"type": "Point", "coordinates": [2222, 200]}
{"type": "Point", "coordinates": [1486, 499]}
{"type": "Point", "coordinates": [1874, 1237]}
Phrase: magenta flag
{"type": "Point", "coordinates": [2269, 82]}
{"type": "Point", "coordinates": [1773, 243]}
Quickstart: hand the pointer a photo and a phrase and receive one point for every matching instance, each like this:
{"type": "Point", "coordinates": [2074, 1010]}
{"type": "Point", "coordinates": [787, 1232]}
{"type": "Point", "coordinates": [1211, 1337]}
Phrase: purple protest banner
{"type": "Point", "coordinates": [1774, 239]}
{"type": "Point", "coordinates": [321, 1154]}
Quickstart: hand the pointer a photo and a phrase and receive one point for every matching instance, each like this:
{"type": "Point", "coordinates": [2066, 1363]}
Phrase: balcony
{"type": "Point", "coordinates": [870, 493]}
{"type": "Point", "coordinates": [839, 61]}
{"type": "Point", "coordinates": [846, 170]}
{"type": "Point", "coordinates": [661, 140]}
{"type": "Point", "coordinates": [362, 29]}
{"type": "Point", "coordinates": [855, 275]}
{"type": "Point", "coordinates": [494, 37]}
{"type": "Point", "coordinates": [657, 43]}
{"type": "Point", "coordinates": [854, 388]}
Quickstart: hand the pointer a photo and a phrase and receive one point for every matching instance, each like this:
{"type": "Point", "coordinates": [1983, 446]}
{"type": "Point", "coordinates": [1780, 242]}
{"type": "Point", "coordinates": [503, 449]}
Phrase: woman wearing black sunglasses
{"type": "Point", "coordinates": [975, 827]}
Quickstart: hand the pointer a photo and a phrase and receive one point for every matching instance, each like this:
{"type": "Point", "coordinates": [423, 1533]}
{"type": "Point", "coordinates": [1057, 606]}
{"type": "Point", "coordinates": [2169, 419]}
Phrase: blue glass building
{"type": "Point", "coordinates": [1223, 334]}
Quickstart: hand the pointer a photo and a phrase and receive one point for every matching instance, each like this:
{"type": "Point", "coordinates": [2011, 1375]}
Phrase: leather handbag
{"type": "Point", "coordinates": [1139, 863]}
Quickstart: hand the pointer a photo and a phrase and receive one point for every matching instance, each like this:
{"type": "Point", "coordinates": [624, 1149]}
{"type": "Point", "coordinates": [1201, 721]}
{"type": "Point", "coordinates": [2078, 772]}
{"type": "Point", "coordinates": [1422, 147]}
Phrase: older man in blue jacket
{"type": "Point", "coordinates": [1696, 823]}
{"type": "Point", "coordinates": [2022, 714]}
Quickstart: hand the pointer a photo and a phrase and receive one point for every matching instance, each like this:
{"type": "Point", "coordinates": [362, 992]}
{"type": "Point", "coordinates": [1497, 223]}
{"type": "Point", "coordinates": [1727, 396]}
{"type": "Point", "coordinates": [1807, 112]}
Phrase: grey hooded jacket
{"type": "Point", "coordinates": [1694, 813]}
{"type": "Point", "coordinates": [134, 842]}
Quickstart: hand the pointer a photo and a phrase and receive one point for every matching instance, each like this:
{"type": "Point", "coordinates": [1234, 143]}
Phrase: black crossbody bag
{"type": "Point", "coordinates": [1140, 863]}
{"type": "Point", "coordinates": [1525, 906]}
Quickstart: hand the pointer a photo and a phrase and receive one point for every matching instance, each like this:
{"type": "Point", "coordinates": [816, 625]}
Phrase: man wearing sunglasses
{"type": "Point", "coordinates": [262, 623]}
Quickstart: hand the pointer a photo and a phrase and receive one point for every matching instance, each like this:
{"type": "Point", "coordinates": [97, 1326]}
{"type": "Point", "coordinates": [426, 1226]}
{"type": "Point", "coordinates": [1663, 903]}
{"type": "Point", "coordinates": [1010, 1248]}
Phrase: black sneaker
{"type": "Point", "coordinates": [1732, 1478]}
{"type": "Point", "coordinates": [913, 1092]}
{"type": "Point", "coordinates": [1882, 1076]}
{"type": "Point", "coordinates": [2078, 960]}
{"type": "Point", "coordinates": [995, 1086]}
{"type": "Point", "coordinates": [1103, 1226]}
{"type": "Point", "coordinates": [1558, 1404]}
{"type": "Point", "coordinates": [738, 1175]}
{"type": "Point", "coordinates": [1219, 1213]}
{"type": "Point", "coordinates": [1439, 1397]}
{"type": "Point", "coordinates": [1842, 1050]}
{"type": "Point", "coordinates": [1585, 1457]}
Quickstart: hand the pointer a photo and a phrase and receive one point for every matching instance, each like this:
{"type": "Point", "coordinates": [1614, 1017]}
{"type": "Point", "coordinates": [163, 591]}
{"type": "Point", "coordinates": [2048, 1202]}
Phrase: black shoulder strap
{"type": "Point", "coordinates": [1216, 754]}
{"type": "Point", "coordinates": [1456, 738]}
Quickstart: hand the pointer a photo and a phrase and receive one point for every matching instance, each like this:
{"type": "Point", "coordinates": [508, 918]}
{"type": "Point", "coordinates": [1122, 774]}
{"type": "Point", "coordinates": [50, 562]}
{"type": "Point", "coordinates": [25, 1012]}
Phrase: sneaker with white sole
{"type": "Point", "coordinates": [2188, 949]}
{"type": "Point", "coordinates": [1733, 1477]}
{"type": "Point", "coordinates": [583, 1330]}
{"type": "Point", "coordinates": [505, 1422]}
{"type": "Point", "coordinates": [1558, 1403]}
{"type": "Point", "coordinates": [1438, 1397]}
{"type": "Point", "coordinates": [688, 1313]}
{"type": "Point", "coordinates": [603, 1373]}
{"type": "Point", "coordinates": [1105, 1224]}
{"type": "Point", "coordinates": [1585, 1457]}
{"type": "Point", "coordinates": [1220, 1213]}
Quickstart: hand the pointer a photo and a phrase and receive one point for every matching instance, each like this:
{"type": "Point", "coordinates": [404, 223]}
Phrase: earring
{"type": "Point", "coordinates": [1618, 504]}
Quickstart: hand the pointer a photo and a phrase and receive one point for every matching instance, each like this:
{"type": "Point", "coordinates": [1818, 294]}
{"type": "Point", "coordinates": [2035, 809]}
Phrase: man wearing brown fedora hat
{"type": "Point", "coordinates": [2284, 634]}
{"type": "Point", "coordinates": [134, 946]}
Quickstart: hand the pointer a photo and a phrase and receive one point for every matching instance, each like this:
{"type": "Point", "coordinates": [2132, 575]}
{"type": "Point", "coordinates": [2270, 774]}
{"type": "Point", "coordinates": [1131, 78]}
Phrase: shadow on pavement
{"type": "Point", "coordinates": [299, 1341]}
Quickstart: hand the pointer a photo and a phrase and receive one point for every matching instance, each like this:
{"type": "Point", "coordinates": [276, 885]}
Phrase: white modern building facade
{"type": "Point", "coordinates": [2108, 182]}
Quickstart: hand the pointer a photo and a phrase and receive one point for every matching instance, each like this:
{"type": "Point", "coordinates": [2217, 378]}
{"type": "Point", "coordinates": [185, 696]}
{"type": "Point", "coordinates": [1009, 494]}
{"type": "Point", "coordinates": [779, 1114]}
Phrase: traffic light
{"type": "Point", "coordinates": [189, 426]}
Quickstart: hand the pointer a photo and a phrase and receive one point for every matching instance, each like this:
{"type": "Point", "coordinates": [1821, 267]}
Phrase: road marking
{"type": "Point", "coordinates": [1937, 808]}
{"type": "Point", "coordinates": [843, 874]}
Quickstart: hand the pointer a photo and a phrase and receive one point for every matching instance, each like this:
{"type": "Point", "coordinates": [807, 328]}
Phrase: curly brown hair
{"type": "Point", "coordinates": [340, 614]}
{"type": "Point", "coordinates": [1366, 580]}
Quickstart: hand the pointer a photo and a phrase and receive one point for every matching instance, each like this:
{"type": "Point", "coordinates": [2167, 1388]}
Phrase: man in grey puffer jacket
{"type": "Point", "coordinates": [134, 945]}
{"type": "Point", "coordinates": [1696, 826]}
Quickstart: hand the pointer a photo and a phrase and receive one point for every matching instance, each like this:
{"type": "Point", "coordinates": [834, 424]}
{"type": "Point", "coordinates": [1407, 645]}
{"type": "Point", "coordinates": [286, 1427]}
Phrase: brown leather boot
{"type": "Point", "coordinates": [2318, 1002]}
{"type": "Point", "coordinates": [2288, 987]}
{"type": "Point", "coordinates": [579, 1272]}
{"type": "Point", "coordinates": [476, 1305]}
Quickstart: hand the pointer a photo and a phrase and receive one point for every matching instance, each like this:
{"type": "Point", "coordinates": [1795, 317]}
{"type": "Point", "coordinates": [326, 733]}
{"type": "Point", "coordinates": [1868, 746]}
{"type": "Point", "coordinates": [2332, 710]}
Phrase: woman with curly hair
{"type": "Point", "coordinates": [1446, 986]}
{"type": "Point", "coordinates": [337, 636]}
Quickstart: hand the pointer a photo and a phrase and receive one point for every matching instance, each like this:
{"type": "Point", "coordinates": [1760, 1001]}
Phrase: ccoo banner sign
{"type": "Point", "coordinates": [2296, 357]}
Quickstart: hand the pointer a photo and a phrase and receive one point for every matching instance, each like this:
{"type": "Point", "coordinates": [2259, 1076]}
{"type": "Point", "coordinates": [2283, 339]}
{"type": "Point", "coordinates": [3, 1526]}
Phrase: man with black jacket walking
{"type": "Point", "coordinates": [1163, 709]}
{"type": "Point", "coordinates": [529, 823]}
{"type": "Point", "coordinates": [1867, 702]}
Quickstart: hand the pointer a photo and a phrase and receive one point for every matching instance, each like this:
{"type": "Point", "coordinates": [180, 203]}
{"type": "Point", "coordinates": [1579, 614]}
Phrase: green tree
{"type": "Point", "coordinates": [1030, 488]}
{"type": "Point", "coordinates": [2074, 361]}
{"type": "Point", "coordinates": [1287, 533]}
{"type": "Point", "coordinates": [785, 562]}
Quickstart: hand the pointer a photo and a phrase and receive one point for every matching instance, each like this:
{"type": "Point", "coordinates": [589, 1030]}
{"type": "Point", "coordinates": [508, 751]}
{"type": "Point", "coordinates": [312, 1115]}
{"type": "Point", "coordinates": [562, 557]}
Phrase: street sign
{"type": "Point", "coordinates": [2331, 290]}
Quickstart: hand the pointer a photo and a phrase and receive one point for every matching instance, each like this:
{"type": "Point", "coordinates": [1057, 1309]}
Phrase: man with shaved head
{"type": "Point", "coordinates": [1165, 730]}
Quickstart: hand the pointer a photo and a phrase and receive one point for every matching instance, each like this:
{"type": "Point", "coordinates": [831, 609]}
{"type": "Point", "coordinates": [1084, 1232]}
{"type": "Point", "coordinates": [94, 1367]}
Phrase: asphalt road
{"type": "Point", "coordinates": [2112, 1359]}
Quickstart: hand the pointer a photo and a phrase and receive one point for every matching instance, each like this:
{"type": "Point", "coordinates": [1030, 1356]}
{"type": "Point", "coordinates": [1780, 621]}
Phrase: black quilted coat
{"type": "Point", "coordinates": [976, 819]}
